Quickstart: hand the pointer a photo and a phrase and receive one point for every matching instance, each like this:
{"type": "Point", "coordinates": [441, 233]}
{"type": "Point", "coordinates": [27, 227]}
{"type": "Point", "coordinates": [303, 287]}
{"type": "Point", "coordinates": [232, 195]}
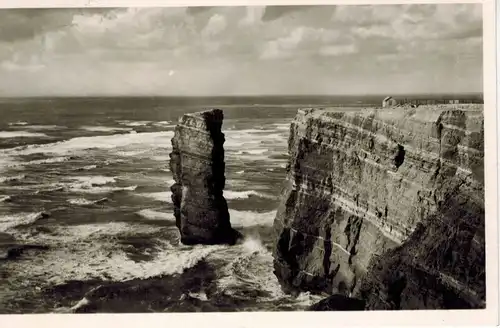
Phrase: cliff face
{"type": "Point", "coordinates": [197, 165]}
{"type": "Point", "coordinates": [386, 205]}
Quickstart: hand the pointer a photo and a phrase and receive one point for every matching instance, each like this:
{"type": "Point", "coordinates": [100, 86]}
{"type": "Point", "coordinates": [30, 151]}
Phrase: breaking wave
{"type": "Point", "coordinates": [87, 168]}
{"type": "Point", "coordinates": [96, 180]}
{"type": "Point", "coordinates": [83, 201]}
{"type": "Point", "coordinates": [134, 123]}
{"type": "Point", "coordinates": [104, 129]}
{"type": "Point", "coordinates": [163, 196]}
{"type": "Point", "coordinates": [151, 139]}
{"type": "Point", "coordinates": [250, 270]}
{"type": "Point", "coordinates": [49, 160]}
{"type": "Point", "coordinates": [19, 123]}
{"type": "Point", "coordinates": [229, 194]}
{"type": "Point", "coordinates": [12, 178]}
{"type": "Point", "coordinates": [85, 188]}
{"type": "Point", "coordinates": [21, 134]}
{"type": "Point", "coordinates": [249, 218]}
{"type": "Point", "coordinates": [43, 127]}
{"type": "Point", "coordinates": [150, 214]}
{"type": "Point", "coordinates": [8, 222]}
{"type": "Point", "coordinates": [106, 262]}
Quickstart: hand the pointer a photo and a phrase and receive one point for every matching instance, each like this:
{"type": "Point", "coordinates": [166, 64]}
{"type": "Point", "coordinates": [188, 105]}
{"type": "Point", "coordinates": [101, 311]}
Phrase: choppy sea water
{"type": "Point", "coordinates": [85, 181]}
{"type": "Point", "coordinates": [89, 181]}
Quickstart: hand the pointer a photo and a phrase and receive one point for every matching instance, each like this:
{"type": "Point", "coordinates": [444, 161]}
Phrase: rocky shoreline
{"type": "Point", "coordinates": [383, 207]}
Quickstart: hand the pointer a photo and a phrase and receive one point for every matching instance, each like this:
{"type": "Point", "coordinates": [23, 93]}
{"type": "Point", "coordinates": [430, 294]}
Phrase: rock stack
{"type": "Point", "coordinates": [197, 165]}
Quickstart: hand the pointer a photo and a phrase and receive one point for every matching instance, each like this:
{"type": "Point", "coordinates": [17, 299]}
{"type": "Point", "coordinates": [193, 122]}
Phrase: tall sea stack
{"type": "Point", "coordinates": [385, 205]}
{"type": "Point", "coordinates": [197, 165]}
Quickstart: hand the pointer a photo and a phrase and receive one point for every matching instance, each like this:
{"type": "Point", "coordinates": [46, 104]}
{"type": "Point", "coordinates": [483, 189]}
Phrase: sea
{"type": "Point", "coordinates": [85, 191]}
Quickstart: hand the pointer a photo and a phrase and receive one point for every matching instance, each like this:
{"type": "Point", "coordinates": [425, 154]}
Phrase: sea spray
{"type": "Point", "coordinates": [9, 222]}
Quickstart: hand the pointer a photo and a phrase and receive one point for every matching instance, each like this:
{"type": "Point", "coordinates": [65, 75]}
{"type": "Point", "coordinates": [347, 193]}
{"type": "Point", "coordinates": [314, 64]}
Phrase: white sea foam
{"type": "Point", "coordinates": [84, 188]}
{"type": "Point", "coordinates": [94, 180]}
{"type": "Point", "coordinates": [248, 139]}
{"type": "Point", "coordinates": [134, 123]}
{"type": "Point", "coordinates": [104, 129]}
{"type": "Point", "coordinates": [12, 178]}
{"type": "Point", "coordinates": [21, 134]}
{"type": "Point", "coordinates": [105, 262]}
{"type": "Point", "coordinates": [43, 127]}
{"type": "Point", "coordinates": [252, 151]}
{"type": "Point", "coordinates": [80, 201]}
{"type": "Point", "coordinates": [96, 184]}
{"type": "Point", "coordinates": [250, 267]}
{"type": "Point", "coordinates": [249, 218]}
{"type": "Point", "coordinates": [130, 153]}
{"type": "Point", "coordinates": [162, 123]}
{"type": "Point", "coordinates": [8, 222]}
{"type": "Point", "coordinates": [160, 158]}
{"type": "Point", "coordinates": [156, 215]}
{"type": "Point", "coordinates": [19, 123]}
{"type": "Point", "coordinates": [239, 133]}
{"type": "Point", "coordinates": [83, 201]}
{"type": "Point", "coordinates": [230, 194]}
{"type": "Point", "coordinates": [202, 296]}
{"type": "Point", "coordinates": [87, 168]}
{"type": "Point", "coordinates": [4, 199]}
{"type": "Point", "coordinates": [163, 196]}
{"type": "Point", "coordinates": [93, 233]}
{"type": "Point", "coordinates": [282, 126]}
{"type": "Point", "coordinates": [78, 144]}
{"type": "Point", "coordinates": [52, 160]}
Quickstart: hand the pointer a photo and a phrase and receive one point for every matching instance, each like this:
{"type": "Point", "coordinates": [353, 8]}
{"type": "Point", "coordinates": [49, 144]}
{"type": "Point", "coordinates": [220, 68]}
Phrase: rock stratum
{"type": "Point", "coordinates": [385, 207]}
{"type": "Point", "coordinates": [197, 165]}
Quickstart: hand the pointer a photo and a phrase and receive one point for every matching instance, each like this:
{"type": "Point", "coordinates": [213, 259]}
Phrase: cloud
{"type": "Point", "coordinates": [338, 50]}
{"type": "Point", "coordinates": [215, 25]}
{"type": "Point", "coordinates": [410, 22]}
{"type": "Point", "coordinates": [276, 12]}
{"type": "Point", "coordinates": [134, 50]}
{"type": "Point", "coordinates": [253, 16]}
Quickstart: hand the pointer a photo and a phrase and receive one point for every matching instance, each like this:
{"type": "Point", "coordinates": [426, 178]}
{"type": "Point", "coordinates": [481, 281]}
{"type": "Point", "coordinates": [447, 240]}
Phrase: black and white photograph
{"type": "Point", "coordinates": [279, 158]}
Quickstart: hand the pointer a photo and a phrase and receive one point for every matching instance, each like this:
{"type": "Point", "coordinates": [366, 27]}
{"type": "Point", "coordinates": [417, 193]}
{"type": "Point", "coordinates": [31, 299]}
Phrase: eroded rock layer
{"type": "Point", "coordinates": [382, 204]}
{"type": "Point", "coordinates": [197, 165]}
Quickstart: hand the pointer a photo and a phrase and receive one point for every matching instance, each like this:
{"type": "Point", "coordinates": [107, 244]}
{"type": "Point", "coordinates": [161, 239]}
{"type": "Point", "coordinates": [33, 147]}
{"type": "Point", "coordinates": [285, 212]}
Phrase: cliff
{"type": "Point", "coordinates": [197, 165]}
{"type": "Point", "coordinates": [386, 206]}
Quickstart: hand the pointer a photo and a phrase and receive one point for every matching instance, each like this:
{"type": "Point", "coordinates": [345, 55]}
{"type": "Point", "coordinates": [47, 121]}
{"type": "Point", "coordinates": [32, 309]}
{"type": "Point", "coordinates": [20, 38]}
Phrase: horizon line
{"type": "Point", "coordinates": [475, 93]}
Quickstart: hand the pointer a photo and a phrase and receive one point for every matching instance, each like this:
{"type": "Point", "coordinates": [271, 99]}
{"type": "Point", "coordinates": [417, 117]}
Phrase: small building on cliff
{"type": "Point", "coordinates": [389, 102]}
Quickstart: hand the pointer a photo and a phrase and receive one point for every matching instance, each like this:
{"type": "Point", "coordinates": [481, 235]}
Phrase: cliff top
{"type": "Point", "coordinates": [401, 115]}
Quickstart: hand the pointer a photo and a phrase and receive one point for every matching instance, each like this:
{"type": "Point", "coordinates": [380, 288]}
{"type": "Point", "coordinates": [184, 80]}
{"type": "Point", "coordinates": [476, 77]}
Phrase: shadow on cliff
{"type": "Point", "coordinates": [217, 181]}
{"type": "Point", "coordinates": [440, 266]}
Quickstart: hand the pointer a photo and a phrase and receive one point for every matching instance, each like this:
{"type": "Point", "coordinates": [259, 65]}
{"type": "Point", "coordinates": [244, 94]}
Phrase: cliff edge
{"type": "Point", "coordinates": [197, 165]}
{"type": "Point", "coordinates": [385, 205]}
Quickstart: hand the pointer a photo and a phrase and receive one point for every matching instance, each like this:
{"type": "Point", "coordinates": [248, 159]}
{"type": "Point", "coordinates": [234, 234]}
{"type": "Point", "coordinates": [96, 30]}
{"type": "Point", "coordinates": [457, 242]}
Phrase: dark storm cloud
{"type": "Point", "coordinates": [21, 24]}
{"type": "Point", "coordinates": [197, 10]}
{"type": "Point", "coordinates": [275, 12]}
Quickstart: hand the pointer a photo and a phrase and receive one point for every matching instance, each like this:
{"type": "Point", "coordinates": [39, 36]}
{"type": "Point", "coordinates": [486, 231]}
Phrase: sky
{"type": "Point", "coordinates": [200, 51]}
